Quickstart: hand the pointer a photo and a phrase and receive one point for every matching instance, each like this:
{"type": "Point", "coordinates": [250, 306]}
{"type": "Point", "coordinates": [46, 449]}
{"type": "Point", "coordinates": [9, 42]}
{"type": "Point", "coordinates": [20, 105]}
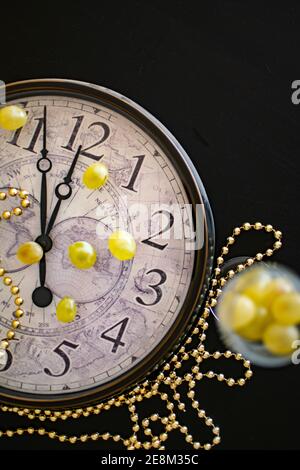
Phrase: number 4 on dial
{"type": "Point", "coordinates": [116, 340]}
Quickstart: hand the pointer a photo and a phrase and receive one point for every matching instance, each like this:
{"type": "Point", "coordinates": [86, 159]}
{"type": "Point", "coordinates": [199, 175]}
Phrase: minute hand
{"type": "Point", "coordinates": [63, 191]}
{"type": "Point", "coordinates": [44, 166]}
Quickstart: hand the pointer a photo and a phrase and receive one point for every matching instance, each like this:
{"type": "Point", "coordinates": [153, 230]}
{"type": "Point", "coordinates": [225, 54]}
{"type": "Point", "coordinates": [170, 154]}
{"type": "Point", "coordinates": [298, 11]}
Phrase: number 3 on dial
{"type": "Point", "coordinates": [155, 287]}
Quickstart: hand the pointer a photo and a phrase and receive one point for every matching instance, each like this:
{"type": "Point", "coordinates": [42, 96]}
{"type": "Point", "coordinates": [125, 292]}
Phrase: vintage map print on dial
{"type": "Point", "coordinates": [130, 314]}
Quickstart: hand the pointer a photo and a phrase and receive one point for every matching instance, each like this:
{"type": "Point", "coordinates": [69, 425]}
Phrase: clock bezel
{"type": "Point", "coordinates": [203, 258]}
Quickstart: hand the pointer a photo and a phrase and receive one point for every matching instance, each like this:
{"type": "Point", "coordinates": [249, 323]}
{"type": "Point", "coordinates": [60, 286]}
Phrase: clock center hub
{"type": "Point", "coordinates": [45, 242]}
{"type": "Point", "coordinates": [42, 297]}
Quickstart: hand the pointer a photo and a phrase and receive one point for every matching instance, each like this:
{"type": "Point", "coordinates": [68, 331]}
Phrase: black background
{"type": "Point", "coordinates": [218, 75]}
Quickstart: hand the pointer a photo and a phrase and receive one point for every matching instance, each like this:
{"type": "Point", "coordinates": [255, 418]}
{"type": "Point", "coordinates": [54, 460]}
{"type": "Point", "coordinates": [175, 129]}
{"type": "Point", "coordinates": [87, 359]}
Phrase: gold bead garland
{"type": "Point", "coordinates": [7, 280]}
{"type": "Point", "coordinates": [169, 376]}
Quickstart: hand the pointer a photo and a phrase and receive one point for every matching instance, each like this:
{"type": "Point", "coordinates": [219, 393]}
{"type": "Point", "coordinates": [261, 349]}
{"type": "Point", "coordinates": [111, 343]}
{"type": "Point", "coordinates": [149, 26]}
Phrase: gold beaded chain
{"type": "Point", "coordinates": [169, 378]}
{"type": "Point", "coordinates": [7, 281]}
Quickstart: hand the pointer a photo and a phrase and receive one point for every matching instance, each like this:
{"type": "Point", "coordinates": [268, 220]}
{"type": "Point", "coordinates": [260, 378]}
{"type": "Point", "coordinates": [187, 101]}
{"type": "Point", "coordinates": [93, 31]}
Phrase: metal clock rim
{"type": "Point", "coordinates": [171, 341]}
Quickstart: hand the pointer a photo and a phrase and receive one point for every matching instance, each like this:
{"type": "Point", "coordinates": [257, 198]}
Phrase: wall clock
{"type": "Point", "coordinates": [131, 315]}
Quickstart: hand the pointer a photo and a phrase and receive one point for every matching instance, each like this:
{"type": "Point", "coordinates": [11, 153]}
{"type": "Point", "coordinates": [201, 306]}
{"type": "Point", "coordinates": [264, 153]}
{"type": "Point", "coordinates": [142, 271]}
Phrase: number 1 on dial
{"type": "Point", "coordinates": [135, 173]}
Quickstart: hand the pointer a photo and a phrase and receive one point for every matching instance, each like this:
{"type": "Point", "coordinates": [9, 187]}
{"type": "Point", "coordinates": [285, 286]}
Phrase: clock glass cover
{"type": "Point", "coordinates": [130, 314]}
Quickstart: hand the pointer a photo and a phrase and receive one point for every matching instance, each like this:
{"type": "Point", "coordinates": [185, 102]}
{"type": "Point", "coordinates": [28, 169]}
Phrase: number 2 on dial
{"type": "Point", "coordinates": [149, 241]}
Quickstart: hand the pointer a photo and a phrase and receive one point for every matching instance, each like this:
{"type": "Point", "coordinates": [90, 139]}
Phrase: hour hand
{"type": "Point", "coordinates": [42, 296]}
{"type": "Point", "coordinates": [63, 191]}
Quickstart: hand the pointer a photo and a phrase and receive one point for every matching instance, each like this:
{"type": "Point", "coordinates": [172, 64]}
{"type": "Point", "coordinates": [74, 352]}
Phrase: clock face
{"type": "Point", "coordinates": [127, 311]}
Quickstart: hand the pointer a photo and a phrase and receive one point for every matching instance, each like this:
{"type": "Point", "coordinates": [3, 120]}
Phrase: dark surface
{"type": "Point", "coordinates": [219, 77]}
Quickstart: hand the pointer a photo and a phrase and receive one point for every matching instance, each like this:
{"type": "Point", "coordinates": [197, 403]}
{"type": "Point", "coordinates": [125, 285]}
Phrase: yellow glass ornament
{"type": "Point", "coordinates": [122, 245]}
{"type": "Point", "coordinates": [236, 311]}
{"type": "Point", "coordinates": [253, 283]}
{"type": "Point", "coordinates": [274, 289]}
{"type": "Point", "coordinates": [286, 308]}
{"type": "Point", "coordinates": [30, 253]}
{"type": "Point", "coordinates": [82, 255]}
{"type": "Point", "coordinates": [66, 310]}
{"type": "Point", "coordinates": [278, 339]}
{"type": "Point", "coordinates": [95, 176]}
{"type": "Point", "coordinates": [12, 117]}
{"type": "Point", "coordinates": [254, 330]}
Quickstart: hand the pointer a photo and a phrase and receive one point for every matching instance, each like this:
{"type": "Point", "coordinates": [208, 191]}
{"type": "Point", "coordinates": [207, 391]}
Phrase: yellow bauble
{"type": "Point", "coordinates": [236, 311]}
{"type": "Point", "coordinates": [286, 308]}
{"type": "Point", "coordinates": [12, 117]}
{"type": "Point", "coordinates": [82, 255]}
{"type": "Point", "coordinates": [225, 305]}
{"type": "Point", "coordinates": [95, 176]}
{"type": "Point", "coordinates": [274, 289]}
{"type": "Point", "coordinates": [255, 329]}
{"type": "Point", "coordinates": [278, 339]}
{"type": "Point", "coordinates": [30, 253]}
{"type": "Point", "coordinates": [66, 310]}
{"type": "Point", "coordinates": [253, 283]}
{"type": "Point", "coordinates": [122, 245]}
